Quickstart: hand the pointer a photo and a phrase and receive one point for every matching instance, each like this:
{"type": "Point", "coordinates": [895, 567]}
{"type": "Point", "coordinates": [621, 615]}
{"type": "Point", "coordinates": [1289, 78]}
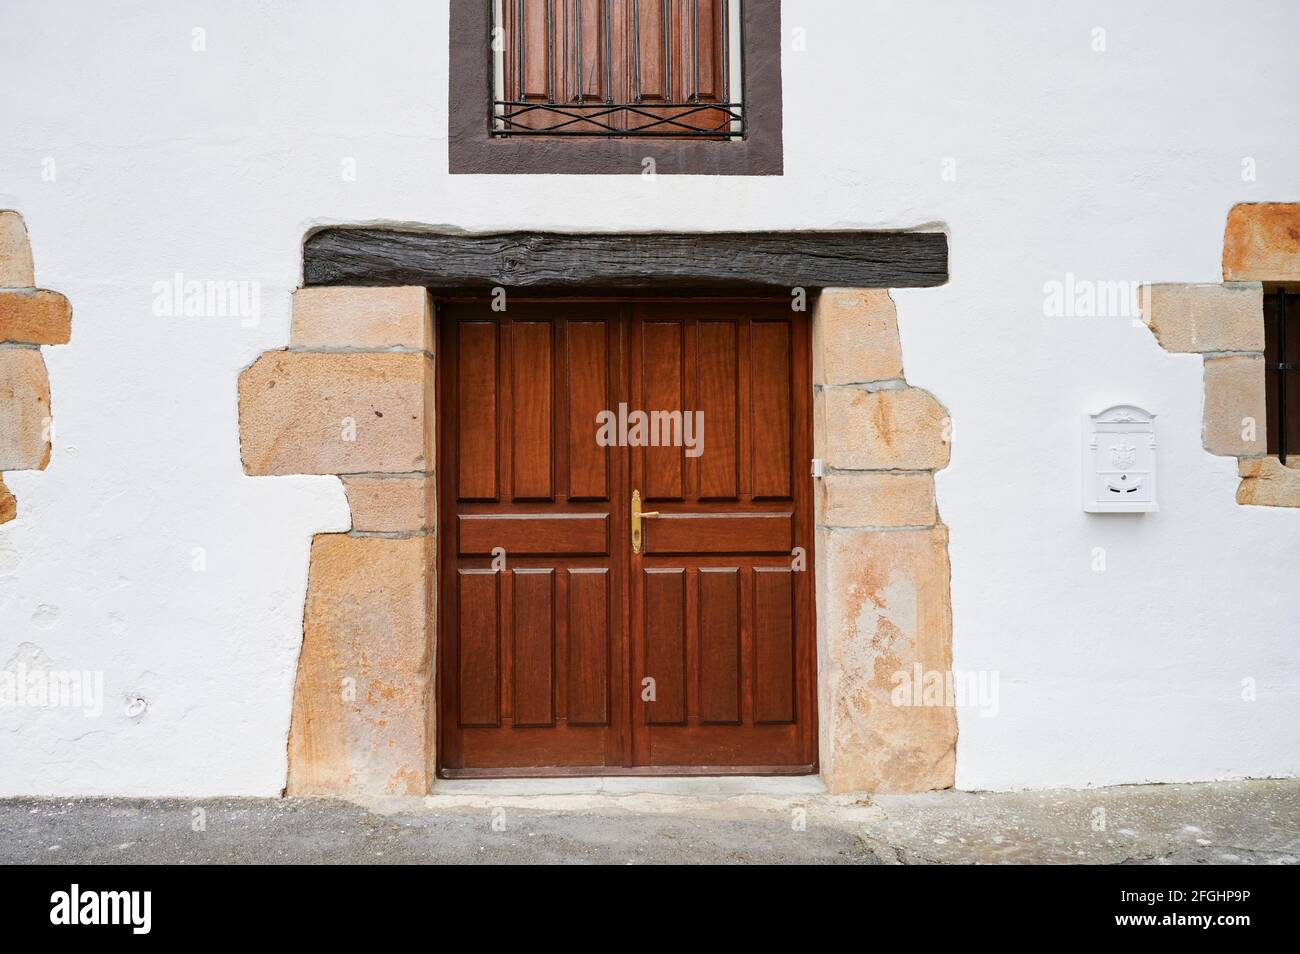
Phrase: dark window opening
{"type": "Point", "coordinates": [1282, 371]}
{"type": "Point", "coordinates": [618, 68]}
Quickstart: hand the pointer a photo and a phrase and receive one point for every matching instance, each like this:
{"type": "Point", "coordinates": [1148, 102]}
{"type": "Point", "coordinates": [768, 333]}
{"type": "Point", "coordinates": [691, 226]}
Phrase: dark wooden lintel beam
{"type": "Point", "coordinates": [597, 262]}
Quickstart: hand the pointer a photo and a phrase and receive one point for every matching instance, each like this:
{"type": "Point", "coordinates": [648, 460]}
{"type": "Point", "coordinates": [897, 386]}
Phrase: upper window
{"type": "Point", "coordinates": [615, 86]}
{"type": "Point", "coordinates": [599, 68]}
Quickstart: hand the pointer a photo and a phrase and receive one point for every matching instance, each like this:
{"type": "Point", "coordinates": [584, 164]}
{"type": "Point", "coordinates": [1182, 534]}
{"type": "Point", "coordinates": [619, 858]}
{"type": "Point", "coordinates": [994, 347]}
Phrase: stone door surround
{"type": "Point", "coordinates": [352, 395]}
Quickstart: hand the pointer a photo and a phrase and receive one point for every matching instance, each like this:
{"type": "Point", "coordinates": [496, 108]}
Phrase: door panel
{"type": "Point", "coordinates": [771, 403]}
{"type": "Point", "coordinates": [532, 418]}
{"type": "Point", "coordinates": [717, 377]}
{"type": "Point", "coordinates": [722, 533]}
{"type": "Point", "coordinates": [569, 534]}
{"type": "Point", "coordinates": [476, 402]}
{"type": "Point", "coordinates": [774, 661]}
{"type": "Point", "coordinates": [660, 353]}
{"type": "Point", "coordinates": [479, 631]}
{"type": "Point", "coordinates": [720, 650]}
{"type": "Point", "coordinates": [664, 610]}
{"type": "Point", "coordinates": [589, 646]}
{"type": "Point", "coordinates": [534, 649]}
{"type": "Point", "coordinates": [587, 357]}
{"type": "Point", "coordinates": [579, 655]}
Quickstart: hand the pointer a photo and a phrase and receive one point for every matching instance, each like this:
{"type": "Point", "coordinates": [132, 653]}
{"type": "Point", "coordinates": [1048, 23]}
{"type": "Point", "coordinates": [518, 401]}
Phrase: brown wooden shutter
{"type": "Point", "coordinates": [616, 67]}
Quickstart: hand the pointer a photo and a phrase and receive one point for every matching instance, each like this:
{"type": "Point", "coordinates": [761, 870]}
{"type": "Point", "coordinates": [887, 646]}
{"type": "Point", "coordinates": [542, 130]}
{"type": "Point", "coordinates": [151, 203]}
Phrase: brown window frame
{"type": "Point", "coordinates": [472, 149]}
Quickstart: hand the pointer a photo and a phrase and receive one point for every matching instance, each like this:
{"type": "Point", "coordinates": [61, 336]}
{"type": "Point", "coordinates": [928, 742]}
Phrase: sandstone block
{"type": "Point", "coordinates": [1266, 482]}
{"type": "Point", "coordinates": [312, 413]}
{"type": "Point", "coordinates": [1262, 242]}
{"type": "Point", "coordinates": [884, 606]}
{"type": "Point", "coordinates": [361, 708]}
{"type": "Point", "coordinates": [15, 253]}
{"type": "Point", "coordinates": [892, 429]}
{"type": "Point", "coordinates": [8, 505]}
{"type": "Point", "coordinates": [34, 316]}
{"type": "Point", "coordinates": [347, 317]}
{"type": "Point", "coordinates": [24, 410]}
{"type": "Point", "coordinates": [391, 504]}
{"type": "Point", "coordinates": [855, 337]}
{"type": "Point", "coordinates": [876, 500]}
{"type": "Point", "coordinates": [1234, 397]}
{"type": "Point", "coordinates": [1201, 318]}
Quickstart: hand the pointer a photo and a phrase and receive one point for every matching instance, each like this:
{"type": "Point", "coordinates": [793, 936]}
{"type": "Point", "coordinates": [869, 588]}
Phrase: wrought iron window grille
{"type": "Point", "coordinates": [1285, 309]}
{"type": "Point", "coordinates": [673, 114]}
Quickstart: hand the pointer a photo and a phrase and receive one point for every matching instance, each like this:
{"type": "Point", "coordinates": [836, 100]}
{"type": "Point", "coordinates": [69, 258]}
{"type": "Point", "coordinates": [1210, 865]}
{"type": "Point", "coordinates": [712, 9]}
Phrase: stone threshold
{"type": "Point", "coordinates": [695, 786]}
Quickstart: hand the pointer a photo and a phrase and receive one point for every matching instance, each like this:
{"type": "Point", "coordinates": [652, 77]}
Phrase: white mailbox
{"type": "Point", "coordinates": [1119, 461]}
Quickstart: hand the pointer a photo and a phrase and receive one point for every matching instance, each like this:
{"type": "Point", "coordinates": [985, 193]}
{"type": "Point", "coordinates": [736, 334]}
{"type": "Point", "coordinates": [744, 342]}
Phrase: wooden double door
{"type": "Point", "coordinates": [568, 647]}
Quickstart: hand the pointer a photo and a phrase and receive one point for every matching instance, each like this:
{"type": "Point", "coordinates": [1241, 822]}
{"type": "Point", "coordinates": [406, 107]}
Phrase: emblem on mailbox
{"type": "Point", "coordinates": [1123, 455]}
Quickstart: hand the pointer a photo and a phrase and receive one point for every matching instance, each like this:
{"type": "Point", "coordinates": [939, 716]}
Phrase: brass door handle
{"type": "Point", "coordinates": [637, 515]}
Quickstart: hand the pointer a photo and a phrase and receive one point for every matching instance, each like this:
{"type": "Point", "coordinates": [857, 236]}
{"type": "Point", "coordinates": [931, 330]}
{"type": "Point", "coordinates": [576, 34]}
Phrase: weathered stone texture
{"type": "Point", "coordinates": [855, 337]}
{"type": "Point", "coordinates": [362, 706]}
{"type": "Point", "coordinates": [391, 504]}
{"type": "Point", "coordinates": [1262, 242]}
{"type": "Point", "coordinates": [1267, 482]}
{"type": "Point", "coordinates": [1206, 318]}
{"type": "Point", "coordinates": [8, 505]}
{"type": "Point", "coordinates": [374, 318]}
{"type": "Point", "coordinates": [24, 410]}
{"type": "Point", "coordinates": [313, 413]}
{"type": "Point", "coordinates": [35, 316]}
{"type": "Point", "coordinates": [891, 429]}
{"type": "Point", "coordinates": [28, 316]}
{"type": "Point", "coordinates": [883, 606]}
{"type": "Point", "coordinates": [15, 253]}
{"type": "Point", "coordinates": [1234, 395]}
{"type": "Point", "coordinates": [876, 500]}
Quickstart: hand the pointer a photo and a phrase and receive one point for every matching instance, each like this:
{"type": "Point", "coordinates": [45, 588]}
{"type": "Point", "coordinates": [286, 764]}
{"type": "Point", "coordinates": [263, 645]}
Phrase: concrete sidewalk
{"type": "Point", "coordinates": [648, 821]}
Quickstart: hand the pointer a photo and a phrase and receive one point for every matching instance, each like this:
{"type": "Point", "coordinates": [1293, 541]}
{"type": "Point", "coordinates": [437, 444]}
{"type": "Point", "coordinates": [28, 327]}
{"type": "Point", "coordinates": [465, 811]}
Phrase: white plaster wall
{"type": "Point", "coordinates": [1113, 166]}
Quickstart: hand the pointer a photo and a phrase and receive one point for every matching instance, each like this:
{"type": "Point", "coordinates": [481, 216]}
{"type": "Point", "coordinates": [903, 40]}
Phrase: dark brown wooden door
{"type": "Point", "coordinates": [568, 652]}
